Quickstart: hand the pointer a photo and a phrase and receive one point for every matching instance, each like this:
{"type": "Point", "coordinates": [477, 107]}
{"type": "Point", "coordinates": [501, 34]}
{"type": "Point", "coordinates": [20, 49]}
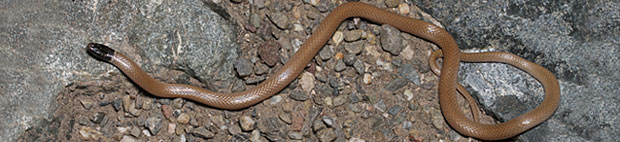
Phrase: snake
{"type": "Point", "coordinates": [447, 87]}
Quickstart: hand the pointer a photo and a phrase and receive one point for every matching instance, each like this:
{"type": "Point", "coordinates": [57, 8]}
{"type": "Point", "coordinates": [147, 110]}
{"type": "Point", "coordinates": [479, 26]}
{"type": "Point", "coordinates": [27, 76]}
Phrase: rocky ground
{"type": "Point", "coordinates": [369, 83]}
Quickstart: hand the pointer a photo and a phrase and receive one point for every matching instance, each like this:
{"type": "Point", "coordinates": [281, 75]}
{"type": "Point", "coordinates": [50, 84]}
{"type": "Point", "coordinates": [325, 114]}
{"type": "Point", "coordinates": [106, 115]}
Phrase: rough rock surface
{"type": "Point", "coordinates": [42, 48]}
{"type": "Point", "coordinates": [576, 40]}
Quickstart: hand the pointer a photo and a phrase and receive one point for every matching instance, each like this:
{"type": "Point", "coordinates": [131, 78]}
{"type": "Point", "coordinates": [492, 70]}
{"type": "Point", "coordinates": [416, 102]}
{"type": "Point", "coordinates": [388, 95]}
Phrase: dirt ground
{"type": "Point", "coordinates": [341, 106]}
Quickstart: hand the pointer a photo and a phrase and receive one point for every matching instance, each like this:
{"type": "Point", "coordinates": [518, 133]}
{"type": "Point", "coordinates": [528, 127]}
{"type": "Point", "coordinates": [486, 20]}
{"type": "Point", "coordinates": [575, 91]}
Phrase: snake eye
{"type": "Point", "coordinates": [100, 51]}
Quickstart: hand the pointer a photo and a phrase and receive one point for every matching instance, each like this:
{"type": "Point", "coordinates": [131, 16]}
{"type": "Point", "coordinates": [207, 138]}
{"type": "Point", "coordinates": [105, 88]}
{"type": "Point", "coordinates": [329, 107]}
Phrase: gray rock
{"type": "Point", "coordinates": [279, 19]}
{"type": "Point", "coordinates": [352, 35]}
{"type": "Point", "coordinates": [349, 59]}
{"type": "Point", "coordinates": [261, 69]}
{"type": "Point", "coordinates": [410, 73]}
{"type": "Point", "coordinates": [576, 40]}
{"type": "Point", "coordinates": [98, 117]}
{"type": "Point", "coordinates": [202, 132]}
{"type": "Point", "coordinates": [254, 79]}
{"type": "Point", "coordinates": [318, 125]}
{"type": "Point", "coordinates": [359, 67]}
{"type": "Point", "coordinates": [394, 110]}
{"type": "Point", "coordinates": [340, 66]}
{"type": "Point", "coordinates": [153, 124]}
{"type": "Point", "coordinates": [329, 121]}
{"type": "Point", "coordinates": [380, 105]}
{"type": "Point", "coordinates": [272, 128]}
{"type": "Point", "coordinates": [247, 123]}
{"type": "Point", "coordinates": [326, 53]}
{"type": "Point", "coordinates": [391, 40]}
{"type": "Point", "coordinates": [395, 84]}
{"type": "Point", "coordinates": [299, 95]}
{"type": "Point", "coordinates": [295, 135]}
{"type": "Point", "coordinates": [326, 135]}
{"type": "Point", "coordinates": [354, 47]}
{"type": "Point", "coordinates": [244, 67]}
{"type": "Point", "coordinates": [43, 48]}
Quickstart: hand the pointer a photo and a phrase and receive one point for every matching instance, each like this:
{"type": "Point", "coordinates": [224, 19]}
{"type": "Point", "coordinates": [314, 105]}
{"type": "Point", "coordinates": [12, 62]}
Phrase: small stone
{"type": "Point", "coordinates": [340, 66]}
{"type": "Point", "coordinates": [391, 40]}
{"type": "Point", "coordinates": [437, 120]}
{"type": "Point", "coordinates": [354, 48]}
{"type": "Point", "coordinates": [295, 135]}
{"type": "Point", "coordinates": [243, 67]}
{"type": "Point", "coordinates": [326, 135]}
{"type": "Point", "coordinates": [391, 3]}
{"type": "Point", "coordinates": [153, 124]}
{"type": "Point", "coordinates": [299, 95]}
{"type": "Point", "coordinates": [202, 132]}
{"type": "Point", "coordinates": [171, 128]}
{"type": "Point", "coordinates": [328, 101]}
{"type": "Point", "coordinates": [352, 35]}
{"type": "Point", "coordinates": [297, 121]}
{"type": "Point", "coordinates": [408, 94]}
{"type": "Point", "coordinates": [395, 84]}
{"type": "Point", "coordinates": [87, 104]}
{"type": "Point", "coordinates": [167, 111]}
{"type": "Point", "coordinates": [275, 100]}
{"type": "Point", "coordinates": [261, 69]}
{"type": "Point", "coordinates": [88, 133]}
{"type": "Point", "coordinates": [329, 121]}
{"type": "Point", "coordinates": [394, 110]}
{"type": "Point", "coordinates": [410, 73]}
{"type": "Point", "coordinates": [255, 20]}
{"type": "Point", "coordinates": [254, 79]}
{"type": "Point", "coordinates": [326, 53]}
{"type": "Point", "coordinates": [359, 66]}
{"type": "Point", "coordinates": [268, 52]}
{"type": "Point", "coordinates": [347, 132]}
{"type": "Point", "coordinates": [279, 19]}
{"type": "Point", "coordinates": [183, 118]}
{"type": "Point", "coordinates": [318, 125]}
{"type": "Point", "coordinates": [340, 100]}
{"type": "Point", "coordinates": [234, 129]}
{"type": "Point", "coordinates": [288, 107]}
{"type": "Point", "coordinates": [354, 139]}
{"type": "Point", "coordinates": [367, 79]}
{"type": "Point", "coordinates": [98, 117]}
{"type": "Point", "coordinates": [135, 131]}
{"type": "Point", "coordinates": [128, 139]}
{"type": "Point", "coordinates": [255, 136]}
{"type": "Point", "coordinates": [126, 102]}
{"type": "Point", "coordinates": [380, 106]}
{"type": "Point", "coordinates": [407, 124]}
{"type": "Point", "coordinates": [307, 82]}
{"type": "Point", "coordinates": [247, 123]}
{"type": "Point", "coordinates": [133, 110]}
{"type": "Point", "coordinates": [403, 8]}
{"type": "Point", "coordinates": [178, 103]}
{"type": "Point", "coordinates": [285, 117]}
{"type": "Point", "coordinates": [313, 2]}
{"type": "Point", "coordinates": [349, 59]}
{"type": "Point", "coordinates": [147, 104]}
{"type": "Point", "coordinates": [179, 130]}
{"type": "Point", "coordinates": [338, 37]}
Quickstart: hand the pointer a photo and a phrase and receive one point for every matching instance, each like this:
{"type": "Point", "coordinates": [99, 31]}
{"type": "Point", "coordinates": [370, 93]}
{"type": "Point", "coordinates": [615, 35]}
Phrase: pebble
{"type": "Point", "coordinates": [167, 111]}
{"type": "Point", "coordinates": [255, 20]}
{"type": "Point", "coordinates": [285, 117]}
{"type": "Point", "coordinates": [247, 123]}
{"type": "Point", "coordinates": [87, 104]}
{"type": "Point", "coordinates": [394, 110]}
{"type": "Point", "coordinates": [326, 53]}
{"type": "Point", "coordinates": [295, 135]}
{"type": "Point", "coordinates": [349, 59]}
{"type": "Point", "coordinates": [391, 40]}
{"type": "Point", "coordinates": [279, 19]}
{"type": "Point", "coordinates": [234, 129]}
{"type": "Point", "coordinates": [354, 139]}
{"type": "Point", "coordinates": [133, 110]}
{"type": "Point", "coordinates": [98, 117]}
{"type": "Point", "coordinates": [353, 35]}
{"type": "Point", "coordinates": [126, 102]}
{"type": "Point", "coordinates": [340, 66]}
{"type": "Point", "coordinates": [297, 121]}
{"type": "Point", "coordinates": [395, 84]}
{"type": "Point", "coordinates": [171, 128]}
{"type": "Point", "coordinates": [117, 104]}
{"type": "Point", "coordinates": [326, 135]}
{"type": "Point", "coordinates": [340, 100]}
{"type": "Point", "coordinates": [254, 79]}
{"type": "Point", "coordinates": [128, 139]}
{"type": "Point", "coordinates": [299, 95]}
{"type": "Point", "coordinates": [307, 82]}
{"type": "Point", "coordinates": [354, 47]}
{"type": "Point", "coordinates": [153, 124]}
{"type": "Point", "coordinates": [178, 103]}
{"type": "Point", "coordinates": [179, 129]}
{"type": "Point", "coordinates": [408, 94]}
{"type": "Point", "coordinates": [410, 73]}
{"type": "Point", "coordinates": [403, 8]}
{"type": "Point", "coordinates": [359, 66]}
{"type": "Point", "coordinates": [407, 124]}
{"type": "Point", "coordinates": [259, 3]}
{"type": "Point", "coordinates": [183, 118]}
{"type": "Point", "coordinates": [437, 120]}
{"type": "Point", "coordinates": [313, 2]}
{"type": "Point", "coordinates": [255, 136]}
{"type": "Point", "coordinates": [329, 121]}
{"type": "Point", "coordinates": [380, 106]}
{"type": "Point", "coordinates": [243, 67]}
{"type": "Point", "coordinates": [338, 37]}
{"type": "Point", "coordinates": [135, 131]}
{"type": "Point", "coordinates": [268, 52]}
{"type": "Point", "coordinates": [391, 3]}
{"type": "Point", "coordinates": [90, 133]}
{"type": "Point", "coordinates": [318, 125]}
{"type": "Point", "coordinates": [147, 104]}
{"type": "Point", "coordinates": [202, 132]}
{"type": "Point", "coordinates": [367, 79]}
{"type": "Point", "coordinates": [260, 69]}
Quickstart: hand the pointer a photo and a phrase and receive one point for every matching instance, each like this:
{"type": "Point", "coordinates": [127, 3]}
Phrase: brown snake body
{"type": "Point", "coordinates": [447, 83]}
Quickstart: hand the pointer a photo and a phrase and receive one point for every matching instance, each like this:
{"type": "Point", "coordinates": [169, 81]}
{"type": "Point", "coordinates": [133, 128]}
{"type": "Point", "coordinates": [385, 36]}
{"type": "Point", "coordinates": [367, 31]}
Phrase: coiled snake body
{"type": "Point", "coordinates": [447, 83]}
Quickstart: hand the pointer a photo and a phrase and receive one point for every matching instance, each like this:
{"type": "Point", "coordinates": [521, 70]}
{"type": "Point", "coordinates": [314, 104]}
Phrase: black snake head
{"type": "Point", "coordinates": [100, 51]}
